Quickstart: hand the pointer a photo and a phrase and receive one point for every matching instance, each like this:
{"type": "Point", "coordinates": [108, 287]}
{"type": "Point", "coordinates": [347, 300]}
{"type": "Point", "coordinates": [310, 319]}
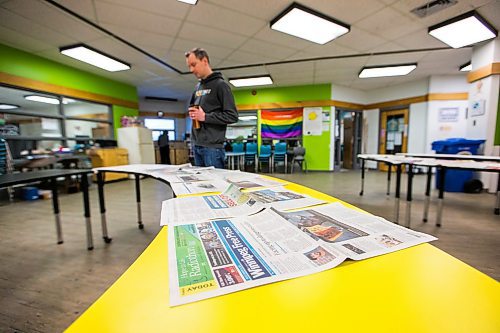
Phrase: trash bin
{"type": "Point", "coordinates": [455, 179]}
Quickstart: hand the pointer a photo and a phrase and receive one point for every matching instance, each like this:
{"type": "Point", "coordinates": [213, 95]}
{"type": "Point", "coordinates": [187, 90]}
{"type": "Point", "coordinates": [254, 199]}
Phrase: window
{"type": "Point", "coordinates": [158, 125]}
{"type": "Point", "coordinates": [49, 121]}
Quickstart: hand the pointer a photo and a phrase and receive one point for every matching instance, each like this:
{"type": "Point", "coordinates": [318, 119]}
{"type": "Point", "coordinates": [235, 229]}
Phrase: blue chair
{"type": "Point", "coordinates": [280, 154]}
{"type": "Point", "coordinates": [251, 154]}
{"type": "Point", "coordinates": [265, 156]}
{"type": "Point", "coordinates": [239, 149]}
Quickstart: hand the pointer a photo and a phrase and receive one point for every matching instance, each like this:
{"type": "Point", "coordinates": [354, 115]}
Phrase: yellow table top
{"type": "Point", "coordinates": [420, 289]}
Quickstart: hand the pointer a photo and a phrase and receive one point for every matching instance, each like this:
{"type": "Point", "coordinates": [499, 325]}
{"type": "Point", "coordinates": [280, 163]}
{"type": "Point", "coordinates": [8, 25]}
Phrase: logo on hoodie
{"type": "Point", "coordinates": [202, 92]}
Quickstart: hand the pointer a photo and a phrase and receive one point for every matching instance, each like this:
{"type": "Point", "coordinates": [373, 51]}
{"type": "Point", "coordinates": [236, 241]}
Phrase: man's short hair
{"type": "Point", "coordinates": [199, 53]}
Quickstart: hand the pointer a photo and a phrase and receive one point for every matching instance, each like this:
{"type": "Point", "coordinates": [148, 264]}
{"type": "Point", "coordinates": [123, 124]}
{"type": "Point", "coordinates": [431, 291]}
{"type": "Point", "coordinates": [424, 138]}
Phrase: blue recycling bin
{"type": "Point", "coordinates": [455, 179]}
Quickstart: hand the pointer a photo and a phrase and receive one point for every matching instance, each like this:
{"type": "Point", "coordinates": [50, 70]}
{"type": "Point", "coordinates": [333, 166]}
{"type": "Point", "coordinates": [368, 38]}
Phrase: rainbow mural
{"type": "Point", "coordinates": [281, 124]}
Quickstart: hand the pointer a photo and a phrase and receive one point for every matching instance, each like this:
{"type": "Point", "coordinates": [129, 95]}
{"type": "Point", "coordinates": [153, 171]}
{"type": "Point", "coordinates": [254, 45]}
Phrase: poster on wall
{"type": "Point", "coordinates": [448, 115]}
{"type": "Point", "coordinates": [312, 121]}
{"type": "Point", "coordinates": [281, 124]}
{"type": "Point", "coordinates": [477, 108]}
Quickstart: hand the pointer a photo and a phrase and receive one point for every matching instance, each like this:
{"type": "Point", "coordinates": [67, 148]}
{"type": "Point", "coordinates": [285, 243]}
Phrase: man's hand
{"type": "Point", "coordinates": [196, 113]}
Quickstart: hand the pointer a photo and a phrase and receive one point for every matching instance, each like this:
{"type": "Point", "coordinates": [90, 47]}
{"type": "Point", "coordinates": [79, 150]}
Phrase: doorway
{"type": "Point", "coordinates": [393, 133]}
{"type": "Point", "coordinates": [348, 130]}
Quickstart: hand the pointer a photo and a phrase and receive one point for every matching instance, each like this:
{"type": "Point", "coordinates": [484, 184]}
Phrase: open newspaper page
{"type": "Point", "coordinates": [141, 168]}
{"type": "Point", "coordinates": [212, 258]}
{"type": "Point", "coordinates": [184, 176]}
{"type": "Point", "coordinates": [215, 185]}
{"type": "Point", "coordinates": [251, 182]}
{"type": "Point", "coordinates": [231, 203]}
{"type": "Point", "coordinates": [283, 199]}
{"type": "Point", "coordinates": [357, 234]}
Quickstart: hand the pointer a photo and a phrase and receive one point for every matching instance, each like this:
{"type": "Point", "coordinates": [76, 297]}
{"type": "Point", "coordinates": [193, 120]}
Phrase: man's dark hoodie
{"type": "Point", "coordinates": [214, 96]}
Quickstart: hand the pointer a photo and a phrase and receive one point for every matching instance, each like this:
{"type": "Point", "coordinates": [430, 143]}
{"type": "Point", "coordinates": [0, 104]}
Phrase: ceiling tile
{"type": "Point", "coordinates": [383, 24]}
{"type": "Point", "coordinates": [84, 8]}
{"type": "Point", "coordinates": [228, 20]}
{"type": "Point", "coordinates": [211, 36]}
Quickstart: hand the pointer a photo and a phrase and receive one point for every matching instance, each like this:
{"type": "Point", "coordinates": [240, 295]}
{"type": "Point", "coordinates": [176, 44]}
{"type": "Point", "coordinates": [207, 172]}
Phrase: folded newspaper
{"type": "Point", "coordinates": [212, 258]}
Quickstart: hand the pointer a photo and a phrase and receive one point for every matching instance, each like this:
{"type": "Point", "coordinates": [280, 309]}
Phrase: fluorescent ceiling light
{"type": "Point", "coordinates": [308, 24]}
{"type": "Point", "coordinates": [251, 81]}
{"type": "Point", "coordinates": [390, 70]}
{"type": "Point", "coordinates": [94, 57]}
{"type": "Point", "coordinates": [8, 106]}
{"type": "Point", "coordinates": [466, 67]}
{"type": "Point", "coordinates": [245, 118]}
{"type": "Point", "coordinates": [466, 29]}
{"type": "Point", "coordinates": [191, 2]}
{"type": "Point", "coordinates": [42, 99]}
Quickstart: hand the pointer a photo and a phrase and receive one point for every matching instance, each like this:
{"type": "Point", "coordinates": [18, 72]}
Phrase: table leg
{"type": "Point", "coordinates": [497, 206]}
{"type": "Point", "coordinates": [102, 206]}
{"type": "Point", "coordinates": [442, 173]}
{"type": "Point", "coordinates": [55, 205]}
{"type": "Point", "coordinates": [427, 194]}
{"type": "Point", "coordinates": [362, 177]}
{"type": "Point", "coordinates": [398, 191]}
{"type": "Point", "coordinates": [408, 196]}
{"type": "Point", "coordinates": [86, 206]}
{"type": "Point", "coordinates": [138, 200]}
{"type": "Point", "coordinates": [389, 171]}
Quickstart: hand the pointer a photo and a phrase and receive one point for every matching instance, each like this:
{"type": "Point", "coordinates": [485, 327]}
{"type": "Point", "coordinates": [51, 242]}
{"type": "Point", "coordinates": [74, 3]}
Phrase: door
{"type": "Point", "coordinates": [393, 133]}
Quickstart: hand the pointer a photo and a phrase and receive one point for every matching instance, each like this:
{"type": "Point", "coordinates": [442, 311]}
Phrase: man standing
{"type": "Point", "coordinates": [212, 106]}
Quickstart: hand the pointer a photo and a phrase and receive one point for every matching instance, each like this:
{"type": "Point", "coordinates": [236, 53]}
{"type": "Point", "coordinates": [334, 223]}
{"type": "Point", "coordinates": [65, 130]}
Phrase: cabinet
{"type": "Point", "coordinates": [102, 157]}
{"type": "Point", "coordinates": [139, 143]}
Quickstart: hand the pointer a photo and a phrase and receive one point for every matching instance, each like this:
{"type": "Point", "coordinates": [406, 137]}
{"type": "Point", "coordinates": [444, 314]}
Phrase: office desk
{"type": "Point", "coordinates": [52, 175]}
{"type": "Point", "coordinates": [420, 289]}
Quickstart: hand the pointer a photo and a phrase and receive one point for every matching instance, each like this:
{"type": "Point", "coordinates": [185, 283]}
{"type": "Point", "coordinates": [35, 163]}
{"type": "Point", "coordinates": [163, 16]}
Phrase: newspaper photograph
{"type": "Point", "coordinates": [231, 203]}
{"type": "Point", "coordinates": [251, 182]}
{"type": "Point", "coordinates": [215, 185]}
{"type": "Point", "coordinates": [212, 258]}
{"type": "Point", "coordinates": [284, 199]}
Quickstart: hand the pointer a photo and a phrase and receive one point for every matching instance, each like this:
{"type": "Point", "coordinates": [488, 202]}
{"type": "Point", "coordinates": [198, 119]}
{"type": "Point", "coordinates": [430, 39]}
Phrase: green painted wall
{"type": "Point", "coordinates": [317, 147]}
{"type": "Point", "coordinates": [20, 63]}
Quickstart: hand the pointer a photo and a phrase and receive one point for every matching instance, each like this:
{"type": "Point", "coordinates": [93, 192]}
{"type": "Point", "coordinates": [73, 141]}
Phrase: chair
{"type": "Point", "coordinates": [251, 154]}
{"type": "Point", "coordinates": [6, 165]}
{"type": "Point", "coordinates": [237, 148]}
{"type": "Point", "coordinates": [280, 154]}
{"type": "Point", "coordinates": [265, 156]}
{"type": "Point", "coordinates": [299, 157]}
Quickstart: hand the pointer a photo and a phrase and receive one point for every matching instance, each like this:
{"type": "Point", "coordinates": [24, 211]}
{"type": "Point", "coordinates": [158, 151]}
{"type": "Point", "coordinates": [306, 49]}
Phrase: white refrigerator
{"type": "Point", "coordinates": [139, 143]}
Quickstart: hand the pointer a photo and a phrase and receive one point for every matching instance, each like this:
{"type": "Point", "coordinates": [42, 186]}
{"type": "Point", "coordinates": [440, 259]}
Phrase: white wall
{"type": "Point", "coordinates": [417, 128]}
{"type": "Point", "coordinates": [448, 84]}
{"type": "Point", "coordinates": [370, 134]}
{"type": "Point", "coordinates": [345, 94]}
{"type": "Point", "coordinates": [438, 129]}
{"type": "Point", "coordinates": [400, 91]}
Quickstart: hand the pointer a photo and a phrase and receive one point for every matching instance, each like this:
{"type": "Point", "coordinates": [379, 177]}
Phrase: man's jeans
{"type": "Point", "coordinates": [204, 156]}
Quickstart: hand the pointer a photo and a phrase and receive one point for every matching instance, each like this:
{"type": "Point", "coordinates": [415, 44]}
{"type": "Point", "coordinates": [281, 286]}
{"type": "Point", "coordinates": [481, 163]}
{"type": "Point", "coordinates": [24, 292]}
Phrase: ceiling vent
{"type": "Point", "coordinates": [433, 7]}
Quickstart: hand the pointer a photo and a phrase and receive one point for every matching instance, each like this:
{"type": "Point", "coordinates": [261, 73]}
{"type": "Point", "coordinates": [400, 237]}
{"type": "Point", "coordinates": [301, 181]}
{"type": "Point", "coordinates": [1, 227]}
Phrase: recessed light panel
{"type": "Point", "coordinates": [308, 24]}
{"type": "Point", "coordinates": [392, 70]}
{"type": "Point", "coordinates": [93, 57]}
{"type": "Point", "coordinates": [466, 67]}
{"type": "Point", "coordinates": [42, 99]}
{"type": "Point", "coordinates": [251, 81]}
{"type": "Point", "coordinates": [466, 29]}
{"type": "Point", "coordinates": [191, 2]}
{"type": "Point", "coordinates": [8, 106]}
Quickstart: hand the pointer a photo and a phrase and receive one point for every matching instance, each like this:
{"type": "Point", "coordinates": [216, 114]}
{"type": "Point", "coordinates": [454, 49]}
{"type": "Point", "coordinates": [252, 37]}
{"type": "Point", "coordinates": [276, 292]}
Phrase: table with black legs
{"type": "Point", "coordinates": [8, 180]}
{"type": "Point", "coordinates": [102, 204]}
{"type": "Point", "coordinates": [442, 165]}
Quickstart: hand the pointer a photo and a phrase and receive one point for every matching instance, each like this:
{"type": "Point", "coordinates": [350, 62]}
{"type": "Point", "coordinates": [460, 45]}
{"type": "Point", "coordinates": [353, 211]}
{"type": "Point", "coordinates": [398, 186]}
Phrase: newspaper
{"type": "Point", "coordinates": [215, 185]}
{"type": "Point", "coordinates": [229, 204]}
{"type": "Point", "coordinates": [251, 182]}
{"type": "Point", "coordinates": [148, 169]}
{"type": "Point", "coordinates": [213, 258]}
{"type": "Point", "coordinates": [284, 199]}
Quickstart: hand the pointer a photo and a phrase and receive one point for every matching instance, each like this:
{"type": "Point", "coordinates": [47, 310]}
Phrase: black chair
{"type": "Point", "coordinates": [299, 157]}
